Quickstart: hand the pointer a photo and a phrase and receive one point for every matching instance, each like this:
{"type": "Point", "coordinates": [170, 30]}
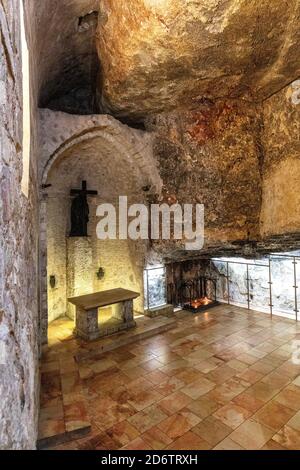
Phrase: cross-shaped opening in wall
{"type": "Point", "coordinates": [26, 106]}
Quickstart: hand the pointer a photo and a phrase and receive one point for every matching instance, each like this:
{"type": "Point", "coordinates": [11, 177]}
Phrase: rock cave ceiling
{"type": "Point", "coordinates": [158, 55]}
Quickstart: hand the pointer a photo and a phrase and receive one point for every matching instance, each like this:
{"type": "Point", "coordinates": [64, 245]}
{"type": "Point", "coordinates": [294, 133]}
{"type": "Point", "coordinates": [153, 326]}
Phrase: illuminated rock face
{"type": "Point", "coordinates": [161, 54]}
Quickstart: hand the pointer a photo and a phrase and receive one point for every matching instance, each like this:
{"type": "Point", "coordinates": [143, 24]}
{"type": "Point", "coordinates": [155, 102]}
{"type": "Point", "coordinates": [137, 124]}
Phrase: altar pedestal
{"type": "Point", "coordinates": [80, 275]}
{"type": "Point", "coordinates": [87, 325]}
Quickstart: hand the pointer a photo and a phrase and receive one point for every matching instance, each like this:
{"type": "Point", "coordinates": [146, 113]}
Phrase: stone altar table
{"type": "Point", "coordinates": [87, 306]}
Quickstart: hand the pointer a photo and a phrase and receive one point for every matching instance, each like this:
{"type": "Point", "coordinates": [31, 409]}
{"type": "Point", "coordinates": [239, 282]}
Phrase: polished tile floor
{"type": "Point", "coordinates": [224, 379]}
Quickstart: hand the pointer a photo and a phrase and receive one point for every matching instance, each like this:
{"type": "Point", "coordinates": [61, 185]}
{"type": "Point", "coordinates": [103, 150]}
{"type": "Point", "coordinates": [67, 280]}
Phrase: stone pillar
{"type": "Point", "coordinates": [123, 311]}
{"type": "Point", "coordinates": [80, 275]}
{"type": "Point", "coordinates": [87, 324]}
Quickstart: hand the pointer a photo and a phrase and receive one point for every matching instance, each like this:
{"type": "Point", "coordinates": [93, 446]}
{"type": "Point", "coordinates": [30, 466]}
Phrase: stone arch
{"type": "Point", "coordinates": [59, 134]}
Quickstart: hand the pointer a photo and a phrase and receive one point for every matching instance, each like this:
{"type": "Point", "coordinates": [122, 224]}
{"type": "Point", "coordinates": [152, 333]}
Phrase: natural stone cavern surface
{"type": "Point", "coordinates": [212, 156]}
{"type": "Point", "coordinates": [157, 55]}
{"type": "Point", "coordinates": [281, 169]}
{"type": "Point", "coordinates": [241, 161]}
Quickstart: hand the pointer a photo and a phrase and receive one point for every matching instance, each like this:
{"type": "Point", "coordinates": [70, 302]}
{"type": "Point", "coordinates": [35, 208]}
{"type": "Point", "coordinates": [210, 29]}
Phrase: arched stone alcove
{"type": "Point", "coordinates": [115, 161]}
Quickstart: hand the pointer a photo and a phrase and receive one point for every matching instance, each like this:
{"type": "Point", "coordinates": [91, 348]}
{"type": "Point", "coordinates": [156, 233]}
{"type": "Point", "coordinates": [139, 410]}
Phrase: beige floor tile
{"type": "Point", "coordinates": [203, 406]}
{"type": "Point", "coordinates": [294, 422]}
{"type": "Point", "coordinates": [232, 415]}
{"type": "Point", "coordinates": [290, 397]}
{"type": "Point", "coordinates": [156, 439]}
{"type": "Point", "coordinates": [178, 424]}
{"type": "Point", "coordinates": [276, 380]}
{"type": "Point", "coordinates": [208, 365]}
{"type": "Point", "coordinates": [263, 391]}
{"type": "Point", "coordinates": [189, 375]}
{"type": "Point", "coordinates": [189, 441]}
{"type": "Point", "coordinates": [123, 433]}
{"type": "Point", "coordinates": [221, 374]}
{"type": "Point", "coordinates": [198, 388]}
{"type": "Point", "coordinates": [237, 365]}
{"type": "Point", "coordinates": [174, 402]}
{"type": "Point", "coordinates": [274, 415]}
{"type": "Point", "coordinates": [251, 376]}
{"type": "Point", "coordinates": [228, 444]}
{"type": "Point", "coordinates": [212, 430]}
{"type": "Point", "coordinates": [248, 401]}
{"type": "Point", "coordinates": [147, 418]}
{"type": "Point", "coordinates": [297, 381]}
{"type": "Point", "coordinates": [156, 377]}
{"type": "Point", "coordinates": [169, 385]}
{"type": "Point", "coordinates": [137, 444]}
{"type": "Point", "coordinates": [144, 399]}
{"type": "Point", "coordinates": [263, 366]}
{"type": "Point", "coordinates": [252, 435]}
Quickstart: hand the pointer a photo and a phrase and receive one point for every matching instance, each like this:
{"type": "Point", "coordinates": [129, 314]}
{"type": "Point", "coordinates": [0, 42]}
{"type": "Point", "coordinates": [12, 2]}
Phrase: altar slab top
{"type": "Point", "coordinates": [103, 298]}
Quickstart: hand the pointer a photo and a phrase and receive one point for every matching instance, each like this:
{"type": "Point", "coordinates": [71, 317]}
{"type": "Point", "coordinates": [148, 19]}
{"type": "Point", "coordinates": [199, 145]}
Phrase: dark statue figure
{"type": "Point", "coordinates": [80, 211]}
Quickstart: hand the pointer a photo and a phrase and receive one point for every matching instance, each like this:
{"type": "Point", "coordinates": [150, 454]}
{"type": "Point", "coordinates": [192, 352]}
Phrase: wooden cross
{"type": "Point", "coordinates": [80, 211]}
{"type": "Point", "coordinates": [83, 191]}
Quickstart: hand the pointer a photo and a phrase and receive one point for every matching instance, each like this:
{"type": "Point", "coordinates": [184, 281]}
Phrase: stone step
{"type": "Point", "coordinates": [145, 328]}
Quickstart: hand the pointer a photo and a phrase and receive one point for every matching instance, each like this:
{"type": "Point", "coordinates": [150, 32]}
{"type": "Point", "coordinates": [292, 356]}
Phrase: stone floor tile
{"type": "Point", "coordinates": [147, 418]}
{"type": "Point", "coordinates": [228, 444]}
{"type": "Point", "coordinates": [178, 424]}
{"type": "Point", "coordinates": [252, 435]}
{"type": "Point", "coordinates": [203, 406]}
{"type": "Point", "coordinates": [156, 438]}
{"type": "Point", "coordinates": [174, 402]}
{"type": "Point", "coordinates": [248, 401]}
{"type": "Point", "coordinates": [212, 430]}
{"type": "Point", "coordinates": [190, 441]}
{"type": "Point", "coordinates": [232, 415]}
{"type": "Point", "coordinates": [169, 385]}
{"type": "Point", "coordinates": [274, 415]}
{"type": "Point", "coordinates": [123, 433]}
{"type": "Point", "coordinates": [137, 444]}
{"type": "Point", "coordinates": [198, 388]}
{"type": "Point", "coordinates": [294, 422]}
{"type": "Point", "coordinates": [290, 397]}
{"type": "Point", "coordinates": [144, 399]}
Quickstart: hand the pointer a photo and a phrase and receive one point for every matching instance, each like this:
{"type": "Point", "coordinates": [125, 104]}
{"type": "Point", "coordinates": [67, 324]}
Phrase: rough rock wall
{"type": "Point", "coordinates": [18, 251]}
{"type": "Point", "coordinates": [213, 156]}
{"type": "Point", "coordinates": [281, 171]}
{"type": "Point", "coordinates": [158, 55]}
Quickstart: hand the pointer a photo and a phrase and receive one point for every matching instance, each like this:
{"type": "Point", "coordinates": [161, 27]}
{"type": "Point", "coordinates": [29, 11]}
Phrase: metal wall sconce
{"type": "Point", "coordinates": [52, 281]}
{"type": "Point", "coordinates": [100, 273]}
